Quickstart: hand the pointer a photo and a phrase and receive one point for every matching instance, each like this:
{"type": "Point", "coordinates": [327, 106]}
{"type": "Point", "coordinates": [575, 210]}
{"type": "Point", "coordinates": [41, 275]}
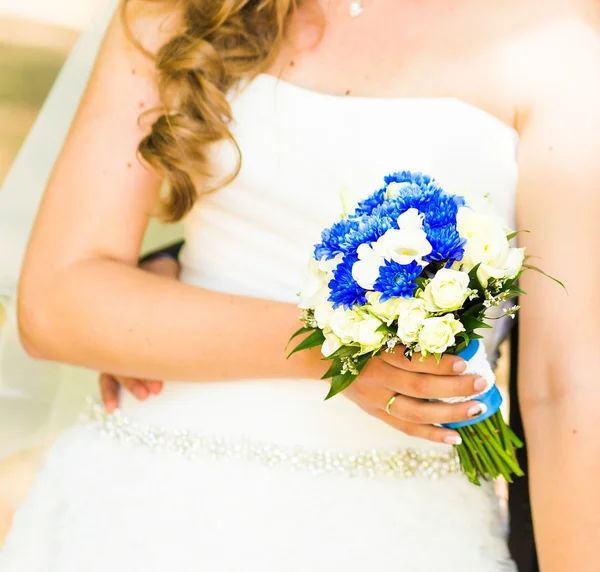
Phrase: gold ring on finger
{"type": "Point", "coordinates": [390, 402]}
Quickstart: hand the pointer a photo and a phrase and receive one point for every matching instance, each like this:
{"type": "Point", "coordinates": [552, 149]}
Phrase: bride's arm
{"type": "Point", "coordinates": [82, 298]}
{"type": "Point", "coordinates": [84, 301]}
{"type": "Point", "coordinates": [559, 202]}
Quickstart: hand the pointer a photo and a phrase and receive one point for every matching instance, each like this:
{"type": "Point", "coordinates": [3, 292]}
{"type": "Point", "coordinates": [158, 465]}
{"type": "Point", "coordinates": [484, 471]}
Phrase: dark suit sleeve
{"type": "Point", "coordinates": [521, 539]}
{"type": "Point", "coordinates": [169, 251]}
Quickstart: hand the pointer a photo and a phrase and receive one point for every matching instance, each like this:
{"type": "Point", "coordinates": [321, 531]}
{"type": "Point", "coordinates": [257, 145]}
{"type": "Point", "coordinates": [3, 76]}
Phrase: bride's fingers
{"type": "Point", "coordinates": [448, 364]}
{"type": "Point", "coordinates": [428, 432]}
{"type": "Point", "coordinates": [155, 387]}
{"type": "Point", "coordinates": [428, 386]}
{"type": "Point", "coordinates": [423, 412]}
{"type": "Point", "coordinates": [109, 391]}
{"type": "Point", "coordinates": [135, 386]}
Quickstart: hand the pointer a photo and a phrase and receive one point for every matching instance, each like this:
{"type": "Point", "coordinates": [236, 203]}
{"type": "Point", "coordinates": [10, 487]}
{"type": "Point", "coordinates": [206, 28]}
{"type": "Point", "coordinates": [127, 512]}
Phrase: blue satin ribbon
{"type": "Point", "coordinates": [492, 398]}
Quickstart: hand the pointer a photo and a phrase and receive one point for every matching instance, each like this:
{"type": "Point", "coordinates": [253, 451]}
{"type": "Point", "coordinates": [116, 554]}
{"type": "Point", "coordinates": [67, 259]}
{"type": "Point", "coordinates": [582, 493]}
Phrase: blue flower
{"type": "Point", "coordinates": [441, 209]}
{"type": "Point", "coordinates": [344, 289]}
{"type": "Point", "coordinates": [366, 206]}
{"type": "Point", "coordinates": [397, 280]}
{"type": "Point", "coordinates": [346, 235]}
{"type": "Point", "coordinates": [332, 239]}
{"type": "Point", "coordinates": [446, 243]}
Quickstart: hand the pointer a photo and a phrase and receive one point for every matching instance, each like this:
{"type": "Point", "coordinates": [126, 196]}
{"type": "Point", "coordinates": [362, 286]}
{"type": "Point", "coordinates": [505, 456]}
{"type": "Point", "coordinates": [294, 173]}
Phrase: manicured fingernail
{"type": "Point", "coordinates": [453, 440]}
{"type": "Point", "coordinates": [477, 409]}
{"type": "Point", "coordinates": [459, 366]}
{"type": "Point", "coordinates": [480, 384]}
{"type": "Point", "coordinates": [140, 392]}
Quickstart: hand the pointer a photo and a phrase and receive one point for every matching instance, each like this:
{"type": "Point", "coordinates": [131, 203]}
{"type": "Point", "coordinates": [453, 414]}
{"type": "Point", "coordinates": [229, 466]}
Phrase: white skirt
{"type": "Point", "coordinates": [252, 476]}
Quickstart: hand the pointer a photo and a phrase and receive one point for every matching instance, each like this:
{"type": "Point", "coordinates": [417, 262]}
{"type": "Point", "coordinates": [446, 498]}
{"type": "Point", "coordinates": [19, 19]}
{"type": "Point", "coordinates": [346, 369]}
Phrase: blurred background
{"type": "Point", "coordinates": [35, 39]}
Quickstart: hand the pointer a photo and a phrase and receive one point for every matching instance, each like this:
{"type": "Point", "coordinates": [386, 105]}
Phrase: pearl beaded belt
{"type": "Point", "coordinates": [402, 463]}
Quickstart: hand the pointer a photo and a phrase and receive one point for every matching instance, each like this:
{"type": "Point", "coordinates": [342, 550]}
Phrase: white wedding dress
{"type": "Point", "coordinates": [263, 475]}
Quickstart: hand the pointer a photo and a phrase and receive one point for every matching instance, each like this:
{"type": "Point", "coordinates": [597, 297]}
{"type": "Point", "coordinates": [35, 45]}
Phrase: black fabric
{"type": "Point", "coordinates": [170, 251]}
{"type": "Point", "coordinates": [521, 540]}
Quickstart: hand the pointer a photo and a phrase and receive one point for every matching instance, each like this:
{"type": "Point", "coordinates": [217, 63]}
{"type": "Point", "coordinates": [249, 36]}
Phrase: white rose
{"type": "Point", "coordinates": [366, 333]}
{"type": "Point", "coordinates": [411, 316]}
{"type": "Point", "coordinates": [341, 323]}
{"type": "Point", "coordinates": [351, 326]}
{"type": "Point", "coordinates": [315, 289]}
{"type": "Point", "coordinates": [514, 262]}
{"type": "Point", "coordinates": [447, 291]}
{"type": "Point", "coordinates": [486, 245]}
{"type": "Point", "coordinates": [323, 313]}
{"type": "Point", "coordinates": [331, 344]}
{"type": "Point", "coordinates": [438, 334]}
{"type": "Point", "coordinates": [387, 311]}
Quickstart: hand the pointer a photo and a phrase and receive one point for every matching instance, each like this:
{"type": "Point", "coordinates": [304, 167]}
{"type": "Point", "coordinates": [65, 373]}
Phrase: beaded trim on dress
{"type": "Point", "coordinates": [401, 463]}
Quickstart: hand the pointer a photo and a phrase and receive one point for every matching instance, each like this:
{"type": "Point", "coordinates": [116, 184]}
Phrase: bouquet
{"type": "Point", "coordinates": [415, 267]}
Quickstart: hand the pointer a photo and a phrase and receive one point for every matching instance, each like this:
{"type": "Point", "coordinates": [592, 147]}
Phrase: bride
{"type": "Point", "coordinates": [259, 113]}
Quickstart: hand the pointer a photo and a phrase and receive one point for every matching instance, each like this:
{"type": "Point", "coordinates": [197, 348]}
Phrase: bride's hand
{"type": "Point", "coordinates": [141, 389]}
{"type": "Point", "coordinates": [414, 382]}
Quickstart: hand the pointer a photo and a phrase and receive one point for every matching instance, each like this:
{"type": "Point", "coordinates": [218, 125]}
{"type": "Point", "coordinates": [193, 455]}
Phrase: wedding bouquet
{"type": "Point", "coordinates": [415, 267]}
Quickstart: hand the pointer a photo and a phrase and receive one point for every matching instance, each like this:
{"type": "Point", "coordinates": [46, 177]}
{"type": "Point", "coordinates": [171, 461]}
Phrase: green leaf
{"type": "Point", "coordinates": [383, 328]}
{"type": "Point", "coordinates": [513, 234]}
{"type": "Point", "coordinates": [344, 351]}
{"type": "Point", "coordinates": [299, 332]}
{"type": "Point", "coordinates": [516, 290]}
{"type": "Point", "coordinates": [536, 269]}
{"type": "Point", "coordinates": [334, 369]}
{"type": "Point", "coordinates": [339, 383]}
{"type": "Point", "coordinates": [342, 381]}
{"type": "Point", "coordinates": [471, 323]}
{"type": "Point", "coordinates": [475, 336]}
{"type": "Point", "coordinates": [315, 339]}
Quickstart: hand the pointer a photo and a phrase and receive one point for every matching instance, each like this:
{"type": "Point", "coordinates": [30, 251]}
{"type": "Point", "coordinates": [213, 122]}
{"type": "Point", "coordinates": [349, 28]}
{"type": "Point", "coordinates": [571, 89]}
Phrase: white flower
{"type": "Point", "coordinates": [487, 246]}
{"type": "Point", "coordinates": [366, 269]}
{"type": "Point", "coordinates": [403, 246]}
{"type": "Point", "coordinates": [406, 244]}
{"type": "Point", "coordinates": [323, 313]}
{"type": "Point", "coordinates": [315, 289]}
{"type": "Point", "coordinates": [447, 291]}
{"type": "Point", "coordinates": [331, 344]}
{"type": "Point", "coordinates": [387, 311]}
{"type": "Point", "coordinates": [514, 262]}
{"type": "Point", "coordinates": [438, 334]}
{"type": "Point", "coordinates": [411, 316]}
{"type": "Point", "coordinates": [358, 327]}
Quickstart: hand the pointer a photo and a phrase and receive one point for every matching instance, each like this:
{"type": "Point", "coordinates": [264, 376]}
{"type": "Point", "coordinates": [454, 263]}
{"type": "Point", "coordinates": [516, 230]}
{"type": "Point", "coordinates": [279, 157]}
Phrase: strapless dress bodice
{"type": "Point", "coordinates": [301, 151]}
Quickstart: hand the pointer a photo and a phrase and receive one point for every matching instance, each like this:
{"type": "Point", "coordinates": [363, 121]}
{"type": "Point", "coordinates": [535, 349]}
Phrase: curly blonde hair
{"type": "Point", "coordinates": [218, 44]}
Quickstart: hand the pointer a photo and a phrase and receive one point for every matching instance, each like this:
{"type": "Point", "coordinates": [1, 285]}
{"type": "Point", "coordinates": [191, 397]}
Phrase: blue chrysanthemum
{"type": "Point", "coordinates": [366, 206]}
{"type": "Point", "coordinates": [397, 280]}
{"type": "Point", "coordinates": [332, 239]}
{"type": "Point", "coordinates": [441, 210]}
{"type": "Point", "coordinates": [344, 289]}
{"type": "Point", "coordinates": [367, 231]}
{"type": "Point", "coordinates": [446, 243]}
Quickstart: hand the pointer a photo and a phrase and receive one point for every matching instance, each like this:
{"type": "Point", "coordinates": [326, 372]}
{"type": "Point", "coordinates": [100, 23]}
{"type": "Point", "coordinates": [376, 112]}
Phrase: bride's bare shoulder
{"type": "Point", "coordinates": [556, 58]}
